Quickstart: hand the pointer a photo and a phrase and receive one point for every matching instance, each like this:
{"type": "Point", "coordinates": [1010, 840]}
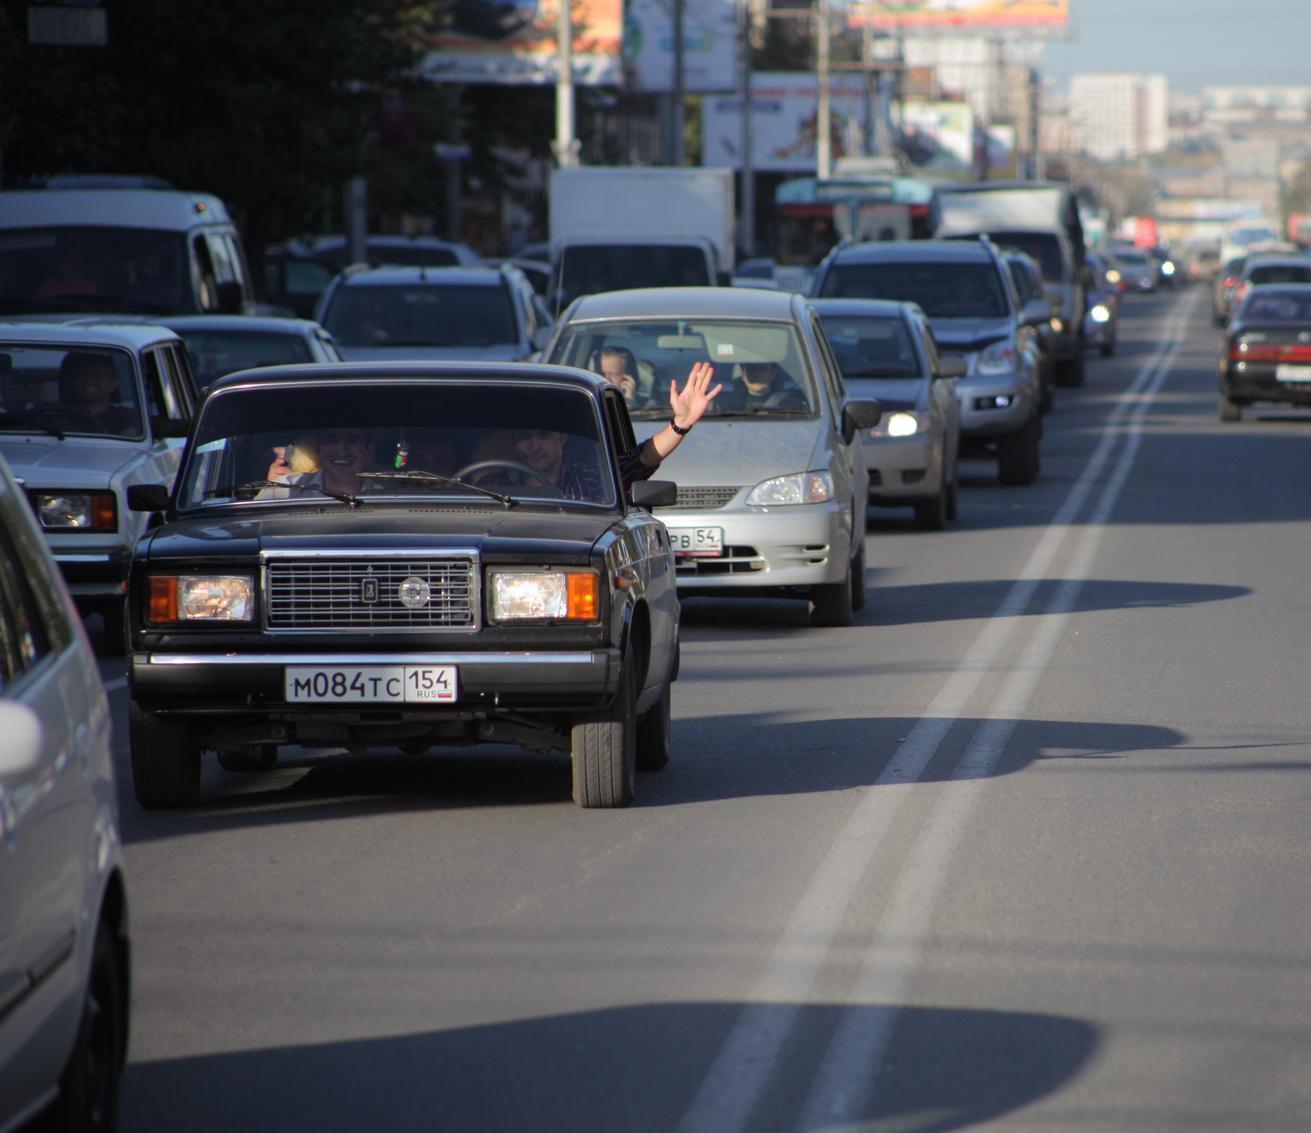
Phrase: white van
{"type": "Point", "coordinates": [108, 248]}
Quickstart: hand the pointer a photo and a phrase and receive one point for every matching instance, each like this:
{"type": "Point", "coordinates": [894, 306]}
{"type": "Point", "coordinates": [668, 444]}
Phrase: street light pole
{"type": "Point", "coordinates": [748, 218]}
{"type": "Point", "coordinates": [823, 112]}
{"type": "Point", "coordinates": [566, 147]}
{"type": "Point", "coordinates": [676, 116]}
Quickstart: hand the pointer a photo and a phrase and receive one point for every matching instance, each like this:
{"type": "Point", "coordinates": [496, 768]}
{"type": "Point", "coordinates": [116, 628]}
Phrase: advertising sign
{"type": "Point", "coordinates": [783, 121]}
{"type": "Point", "coordinates": [709, 46]}
{"type": "Point", "coordinates": [927, 15]}
{"type": "Point", "coordinates": [514, 42]}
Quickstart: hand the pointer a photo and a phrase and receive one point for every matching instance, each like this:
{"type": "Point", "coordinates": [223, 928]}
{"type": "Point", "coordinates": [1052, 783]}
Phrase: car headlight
{"type": "Point", "coordinates": [201, 598]}
{"type": "Point", "coordinates": [799, 488]}
{"type": "Point", "coordinates": [900, 424]}
{"type": "Point", "coordinates": [1167, 268]}
{"type": "Point", "coordinates": [524, 594]}
{"type": "Point", "coordinates": [1100, 313]}
{"type": "Point", "coordinates": [76, 511]}
{"type": "Point", "coordinates": [999, 358]}
{"type": "Point", "coordinates": [1057, 325]}
{"type": "Point", "coordinates": [1113, 276]}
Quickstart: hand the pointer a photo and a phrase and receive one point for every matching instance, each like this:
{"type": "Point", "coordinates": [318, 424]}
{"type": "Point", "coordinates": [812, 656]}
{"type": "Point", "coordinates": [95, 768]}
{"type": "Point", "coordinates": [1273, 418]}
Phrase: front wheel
{"type": "Point", "coordinates": [604, 749]}
{"type": "Point", "coordinates": [831, 603]}
{"type": "Point", "coordinates": [165, 761]}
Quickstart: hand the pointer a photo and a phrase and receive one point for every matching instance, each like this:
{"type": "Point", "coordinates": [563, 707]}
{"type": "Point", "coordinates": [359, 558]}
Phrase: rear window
{"type": "Point", "coordinates": [1045, 247]}
{"type": "Point", "coordinates": [421, 315]}
{"type": "Point", "coordinates": [869, 347]}
{"type": "Point", "coordinates": [944, 289]}
{"type": "Point", "coordinates": [1280, 273]}
{"type": "Point", "coordinates": [215, 353]}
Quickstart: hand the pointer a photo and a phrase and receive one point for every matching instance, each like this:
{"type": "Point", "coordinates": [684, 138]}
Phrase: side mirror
{"type": "Point", "coordinates": [1036, 312]}
{"type": "Point", "coordinates": [169, 427]}
{"type": "Point", "coordinates": [21, 747]}
{"type": "Point", "coordinates": [862, 413]}
{"type": "Point", "coordinates": [147, 497]}
{"type": "Point", "coordinates": [653, 493]}
{"type": "Point", "coordinates": [951, 366]}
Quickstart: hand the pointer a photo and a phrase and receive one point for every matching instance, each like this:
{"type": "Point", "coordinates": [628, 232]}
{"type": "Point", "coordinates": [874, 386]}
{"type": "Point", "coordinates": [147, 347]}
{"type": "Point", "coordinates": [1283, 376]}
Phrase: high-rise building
{"type": "Point", "coordinates": [1117, 115]}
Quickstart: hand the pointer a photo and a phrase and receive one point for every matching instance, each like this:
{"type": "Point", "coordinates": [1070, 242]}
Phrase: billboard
{"type": "Point", "coordinates": [514, 42]}
{"type": "Point", "coordinates": [971, 15]}
{"type": "Point", "coordinates": [783, 121]}
{"type": "Point", "coordinates": [709, 46]}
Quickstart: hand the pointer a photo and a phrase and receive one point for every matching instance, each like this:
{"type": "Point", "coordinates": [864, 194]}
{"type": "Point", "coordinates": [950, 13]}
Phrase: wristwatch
{"type": "Point", "coordinates": [680, 432]}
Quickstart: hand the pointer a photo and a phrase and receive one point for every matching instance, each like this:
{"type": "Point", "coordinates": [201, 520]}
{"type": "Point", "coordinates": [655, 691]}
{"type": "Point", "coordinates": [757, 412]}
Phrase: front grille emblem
{"type": "Point", "coordinates": [369, 590]}
{"type": "Point", "coordinates": [413, 593]}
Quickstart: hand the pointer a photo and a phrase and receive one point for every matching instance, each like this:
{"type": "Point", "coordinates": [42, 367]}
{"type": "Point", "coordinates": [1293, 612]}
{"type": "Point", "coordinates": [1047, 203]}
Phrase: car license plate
{"type": "Point", "coordinates": [371, 684]}
{"type": "Point", "coordinates": [1286, 372]}
{"type": "Point", "coordinates": [703, 541]}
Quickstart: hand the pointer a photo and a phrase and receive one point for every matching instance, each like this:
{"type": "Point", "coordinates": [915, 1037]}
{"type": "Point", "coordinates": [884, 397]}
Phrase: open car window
{"type": "Point", "coordinates": [306, 443]}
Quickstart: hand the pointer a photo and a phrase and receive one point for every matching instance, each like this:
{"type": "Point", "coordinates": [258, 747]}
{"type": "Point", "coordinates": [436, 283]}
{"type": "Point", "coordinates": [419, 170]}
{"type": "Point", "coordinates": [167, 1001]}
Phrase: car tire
{"type": "Point", "coordinates": [832, 602]}
{"type": "Point", "coordinates": [165, 761]}
{"type": "Point", "coordinates": [931, 513]}
{"type": "Point", "coordinates": [1070, 373]}
{"type": "Point", "coordinates": [604, 749]}
{"type": "Point", "coordinates": [859, 591]}
{"type": "Point", "coordinates": [1230, 410]}
{"type": "Point", "coordinates": [1017, 455]}
{"type": "Point", "coordinates": [90, 1083]}
{"type": "Point", "coordinates": [255, 757]}
{"type": "Point", "coordinates": [653, 730]}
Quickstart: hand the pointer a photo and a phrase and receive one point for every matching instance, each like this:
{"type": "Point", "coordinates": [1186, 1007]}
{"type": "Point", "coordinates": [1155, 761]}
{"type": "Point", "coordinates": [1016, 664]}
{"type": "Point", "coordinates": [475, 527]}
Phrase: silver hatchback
{"type": "Point", "coordinates": [772, 482]}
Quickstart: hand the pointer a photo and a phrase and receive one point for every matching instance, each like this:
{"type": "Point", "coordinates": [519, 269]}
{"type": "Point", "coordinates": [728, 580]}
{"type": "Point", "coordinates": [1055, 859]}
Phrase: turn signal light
{"type": "Point", "coordinates": [582, 595]}
{"type": "Point", "coordinates": [163, 599]}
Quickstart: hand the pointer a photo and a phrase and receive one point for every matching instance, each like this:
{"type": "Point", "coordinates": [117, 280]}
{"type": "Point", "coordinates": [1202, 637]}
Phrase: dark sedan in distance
{"type": "Point", "coordinates": [403, 556]}
{"type": "Point", "coordinates": [223, 344]}
{"type": "Point", "coordinates": [1266, 352]}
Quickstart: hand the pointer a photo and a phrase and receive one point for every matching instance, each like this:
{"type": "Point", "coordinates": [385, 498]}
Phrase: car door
{"type": "Point", "coordinates": [850, 476]}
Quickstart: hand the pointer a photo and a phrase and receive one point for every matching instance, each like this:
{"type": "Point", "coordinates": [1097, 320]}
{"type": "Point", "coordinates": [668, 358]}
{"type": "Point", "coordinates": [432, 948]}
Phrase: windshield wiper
{"type": "Point", "coordinates": [419, 476]}
{"type": "Point", "coordinates": [233, 489]}
{"type": "Point", "coordinates": [8, 420]}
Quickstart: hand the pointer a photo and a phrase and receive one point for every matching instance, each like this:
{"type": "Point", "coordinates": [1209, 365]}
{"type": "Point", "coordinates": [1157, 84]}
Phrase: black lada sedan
{"type": "Point", "coordinates": [403, 555]}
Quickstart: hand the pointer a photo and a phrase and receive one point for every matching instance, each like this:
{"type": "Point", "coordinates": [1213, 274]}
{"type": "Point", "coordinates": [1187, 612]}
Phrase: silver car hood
{"type": "Point", "coordinates": [502, 352]}
{"type": "Point", "coordinates": [76, 462]}
{"type": "Point", "coordinates": [739, 452]}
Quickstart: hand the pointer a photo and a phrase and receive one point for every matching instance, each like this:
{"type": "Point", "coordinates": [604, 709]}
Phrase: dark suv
{"type": "Point", "coordinates": [970, 299]}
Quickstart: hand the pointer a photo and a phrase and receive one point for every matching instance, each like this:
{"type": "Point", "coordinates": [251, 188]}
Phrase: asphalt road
{"type": "Point", "coordinates": [1025, 849]}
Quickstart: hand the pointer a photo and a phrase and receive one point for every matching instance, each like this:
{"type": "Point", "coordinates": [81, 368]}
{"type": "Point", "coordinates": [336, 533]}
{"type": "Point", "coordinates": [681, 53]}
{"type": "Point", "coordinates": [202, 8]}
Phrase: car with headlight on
{"type": "Point", "coordinates": [76, 464]}
{"type": "Point", "coordinates": [1265, 355]}
{"type": "Point", "coordinates": [1101, 323]}
{"type": "Point", "coordinates": [771, 482]}
{"type": "Point", "coordinates": [404, 573]}
{"type": "Point", "coordinates": [886, 353]}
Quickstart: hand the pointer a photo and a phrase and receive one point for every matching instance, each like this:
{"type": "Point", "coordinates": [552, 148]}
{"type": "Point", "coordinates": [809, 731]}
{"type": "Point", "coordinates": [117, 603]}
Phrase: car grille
{"type": "Point", "coordinates": [698, 499]}
{"type": "Point", "coordinates": [363, 594]}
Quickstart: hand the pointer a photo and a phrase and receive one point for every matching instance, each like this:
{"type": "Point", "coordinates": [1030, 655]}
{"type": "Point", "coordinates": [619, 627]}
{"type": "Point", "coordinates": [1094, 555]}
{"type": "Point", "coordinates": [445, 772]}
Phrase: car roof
{"type": "Point", "coordinates": [87, 332]}
{"type": "Point", "coordinates": [268, 324]}
{"type": "Point", "coordinates": [882, 308]}
{"type": "Point", "coordinates": [167, 209]}
{"type": "Point", "coordinates": [687, 302]}
{"type": "Point", "coordinates": [392, 275]}
{"type": "Point", "coordinates": [922, 251]}
{"type": "Point", "coordinates": [320, 372]}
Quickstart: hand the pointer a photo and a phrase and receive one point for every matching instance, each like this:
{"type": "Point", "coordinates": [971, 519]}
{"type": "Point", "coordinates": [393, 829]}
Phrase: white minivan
{"type": "Point", "coordinates": [112, 247]}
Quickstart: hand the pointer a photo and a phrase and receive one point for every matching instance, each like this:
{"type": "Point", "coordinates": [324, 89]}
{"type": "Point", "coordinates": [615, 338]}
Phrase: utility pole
{"type": "Point", "coordinates": [823, 112]}
{"type": "Point", "coordinates": [748, 218]}
{"type": "Point", "coordinates": [566, 145]}
{"type": "Point", "coordinates": [676, 111]}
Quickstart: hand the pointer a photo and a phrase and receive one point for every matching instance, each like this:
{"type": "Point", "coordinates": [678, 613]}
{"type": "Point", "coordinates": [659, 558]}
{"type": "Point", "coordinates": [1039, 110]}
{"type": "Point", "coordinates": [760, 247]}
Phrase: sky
{"type": "Point", "coordinates": [1195, 43]}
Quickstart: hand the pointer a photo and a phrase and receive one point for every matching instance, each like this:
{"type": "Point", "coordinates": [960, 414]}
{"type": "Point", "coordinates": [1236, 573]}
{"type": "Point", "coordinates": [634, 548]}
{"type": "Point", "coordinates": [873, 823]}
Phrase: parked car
{"type": "Point", "coordinates": [119, 246]}
{"type": "Point", "coordinates": [298, 271]}
{"type": "Point", "coordinates": [89, 409]}
{"type": "Point", "coordinates": [65, 962]}
{"type": "Point", "coordinates": [771, 484]}
{"type": "Point", "coordinates": [1102, 322]}
{"type": "Point", "coordinates": [1026, 275]}
{"type": "Point", "coordinates": [966, 292]}
{"type": "Point", "coordinates": [1266, 353]}
{"type": "Point", "coordinates": [479, 314]}
{"type": "Point", "coordinates": [886, 353]}
{"type": "Point", "coordinates": [222, 344]}
{"type": "Point", "coordinates": [415, 582]}
{"type": "Point", "coordinates": [1138, 271]}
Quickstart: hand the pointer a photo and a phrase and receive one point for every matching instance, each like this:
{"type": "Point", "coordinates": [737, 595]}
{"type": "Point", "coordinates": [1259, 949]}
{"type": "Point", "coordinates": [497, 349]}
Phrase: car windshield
{"type": "Point", "coordinates": [131, 270]}
{"type": "Point", "coordinates": [944, 289]}
{"type": "Point", "coordinates": [421, 314]}
{"type": "Point", "coordinates": [760, 364]}
{"type": "Point", "coordinates": [83, 391]}
{"type": "Point", "coordinates": [218, 352]}
{"type": "Point", "coordinates": [397, 440]}
{"type": "Point", "coordinates": [870, 347]}
{"type": "Point", "coordinates": [587, 269]}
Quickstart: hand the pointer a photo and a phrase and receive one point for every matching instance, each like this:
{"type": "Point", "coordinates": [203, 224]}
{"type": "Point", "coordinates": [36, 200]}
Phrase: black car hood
{"type": "Point", "coordinates": [519, 533]}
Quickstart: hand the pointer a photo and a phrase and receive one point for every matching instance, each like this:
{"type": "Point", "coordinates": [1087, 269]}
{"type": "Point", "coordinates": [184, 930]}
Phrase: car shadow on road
{"type": "Point", "coordinates": [629, 1068]}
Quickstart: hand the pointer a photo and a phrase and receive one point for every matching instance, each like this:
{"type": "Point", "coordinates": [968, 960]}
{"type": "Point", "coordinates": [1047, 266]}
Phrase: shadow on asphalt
{"type": "Point", "coordinates": [631, 1068]}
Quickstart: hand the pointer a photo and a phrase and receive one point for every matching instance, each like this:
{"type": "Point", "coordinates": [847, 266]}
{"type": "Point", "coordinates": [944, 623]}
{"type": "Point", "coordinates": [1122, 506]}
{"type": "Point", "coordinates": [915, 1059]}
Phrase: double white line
{"type": "Point", "coordinates": [842, 1085]}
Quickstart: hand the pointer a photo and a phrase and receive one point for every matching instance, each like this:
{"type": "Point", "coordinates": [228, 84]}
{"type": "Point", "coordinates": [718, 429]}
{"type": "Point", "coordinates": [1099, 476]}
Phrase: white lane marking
{"type": "Point", "coordinates": [848, 1074]}
{"type": "Point", "coordinates": [745, 1064]}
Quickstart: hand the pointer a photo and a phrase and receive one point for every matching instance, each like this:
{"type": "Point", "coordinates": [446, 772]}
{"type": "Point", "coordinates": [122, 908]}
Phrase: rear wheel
{"type": "Point", "coordinates": [604, 749]}
{"type": "Point", "coordinates": [931, 514]}
{"type": "Point", "coordinates": [165, 761]}
{"type": "Point", "coordinates": [1017, 455]}
{"type": "Point", "coordinates": [1230, 410]}
{"type": "Point", "coordinates": [653, 728]}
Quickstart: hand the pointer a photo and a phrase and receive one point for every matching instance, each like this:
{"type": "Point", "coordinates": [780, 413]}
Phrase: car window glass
{"type": "Point", "coordinates": [218, 352]}
{"type": "Point", "coordinates": [220, 254]}
{"type": "Point", "coordinates": [871, 346]}
{"type": "Point", "coordinates": [829, 368]}
{"type": "Point", "coordinates": [89, 391]}
{"type": "Point", "coordinates": [208, 297]}
{"type": "Point", "coordinates": [22, 546]}
{"type": "Point", "coordinates": [170, 395]}
{"type": "Point", "coordinates": [429, 314]}
{"type": "Point", "coordinates": [761, 365]}
{"type": "Point", "coordinates": [25, 637]}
